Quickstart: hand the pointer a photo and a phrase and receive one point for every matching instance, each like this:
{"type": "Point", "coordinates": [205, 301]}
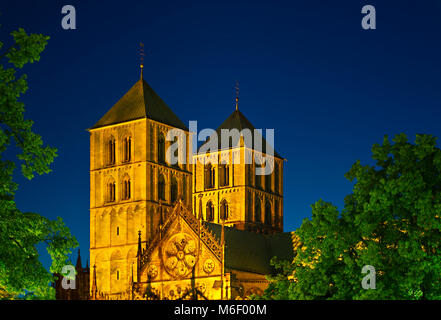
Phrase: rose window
{"type": "Point", "coordinates": [179, 255]}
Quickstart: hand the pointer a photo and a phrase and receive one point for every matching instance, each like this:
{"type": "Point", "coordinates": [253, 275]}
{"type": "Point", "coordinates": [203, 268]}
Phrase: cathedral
{"type": "Point", "coordinates": [203, 228]}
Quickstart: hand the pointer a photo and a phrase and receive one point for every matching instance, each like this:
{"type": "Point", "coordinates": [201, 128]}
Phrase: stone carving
{"type": "Point", "coordinates": [152, 271]}
{"type": "Point", "coordinates": [179, 256]}
{"type": "Point", "coordinates": [208, 265]}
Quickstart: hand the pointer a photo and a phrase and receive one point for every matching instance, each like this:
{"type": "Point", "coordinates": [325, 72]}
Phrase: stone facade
{"type": "Point", "coordinates": [252, 206]}
{"type": "Point", "coordinates": [186, 261]}
{"type": "Point", "coordinates": [133, 190]}
{"type": "Point", "coordinates": [114, 223]}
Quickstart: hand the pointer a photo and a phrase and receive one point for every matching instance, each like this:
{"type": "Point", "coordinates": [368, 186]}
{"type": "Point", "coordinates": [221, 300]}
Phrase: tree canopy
{"type": "Point", "coordinates": [391, 221]}
{"type": "Point", "coordinates": [21, 273]}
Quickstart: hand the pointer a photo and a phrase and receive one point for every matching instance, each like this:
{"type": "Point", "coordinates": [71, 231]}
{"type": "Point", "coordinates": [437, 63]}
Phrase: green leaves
{"type": "Point", "coordinates": [21, 273]}
{"type": "Point", "coordinates": [26, 48]}
{"type": "Point", "coordinates": [19, 235]}
{"type": "Point", "coordinates": [391, 221]}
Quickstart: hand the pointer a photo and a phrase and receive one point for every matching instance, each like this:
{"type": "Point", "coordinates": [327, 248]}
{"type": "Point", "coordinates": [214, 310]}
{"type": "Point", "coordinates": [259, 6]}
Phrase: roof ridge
{"type": "Point", "coordinates": [143, 83]}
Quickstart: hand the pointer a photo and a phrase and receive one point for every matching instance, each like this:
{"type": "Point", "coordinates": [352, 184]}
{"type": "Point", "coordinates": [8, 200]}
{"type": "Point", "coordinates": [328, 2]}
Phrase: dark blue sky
{"type": "Point", "coordinates": [306, 68]}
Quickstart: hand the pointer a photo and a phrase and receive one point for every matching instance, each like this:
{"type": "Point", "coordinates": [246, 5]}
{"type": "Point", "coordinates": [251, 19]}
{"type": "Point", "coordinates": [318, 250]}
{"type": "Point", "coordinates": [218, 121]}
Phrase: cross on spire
{"type": "Point", "coordinates": [141, 57]}
{"type": "Point", "coordinates": [237, 95]}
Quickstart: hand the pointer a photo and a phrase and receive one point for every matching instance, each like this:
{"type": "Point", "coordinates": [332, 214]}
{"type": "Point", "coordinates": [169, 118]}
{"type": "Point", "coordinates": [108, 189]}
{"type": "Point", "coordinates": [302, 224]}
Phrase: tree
{"type": "Point", "coordinates": [391, 221]}
{"type": "Point", "coordinates": [21, 273]}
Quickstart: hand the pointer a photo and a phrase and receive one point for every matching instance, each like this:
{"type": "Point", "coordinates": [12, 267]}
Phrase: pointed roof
{"type": "Point", "coordinates": [79, 264]}
{"type": "Point", "coordinates": [238, 121]}
{"type": "Point", "coordinates": [141, 101]}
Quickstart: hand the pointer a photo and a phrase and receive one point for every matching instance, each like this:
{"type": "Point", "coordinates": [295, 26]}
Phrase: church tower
{"type": "Point", "coordinates": [132, 186]}
{"type": "Point", "coordinates": [226, 183]}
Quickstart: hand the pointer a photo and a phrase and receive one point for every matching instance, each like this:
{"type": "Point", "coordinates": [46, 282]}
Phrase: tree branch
{"type": "Point", "coordinates": [8, 50]}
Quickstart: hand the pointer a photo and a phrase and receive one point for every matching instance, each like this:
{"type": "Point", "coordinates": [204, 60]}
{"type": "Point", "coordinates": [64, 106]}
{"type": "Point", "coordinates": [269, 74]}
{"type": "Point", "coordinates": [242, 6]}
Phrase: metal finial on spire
{"type": "Point", "coordinates": [237, 95]}
{"type": "Point", "coordinates": [141, 57]}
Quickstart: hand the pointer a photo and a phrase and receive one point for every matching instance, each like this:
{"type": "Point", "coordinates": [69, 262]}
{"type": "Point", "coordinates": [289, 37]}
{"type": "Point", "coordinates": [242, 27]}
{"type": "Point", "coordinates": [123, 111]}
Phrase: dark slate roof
{"type": "Point", "coordinates": [252, 252]}
{"type": "Point", "coordinates": [141, 101]}
{"type": "Point", "coordinates": [238, 121]}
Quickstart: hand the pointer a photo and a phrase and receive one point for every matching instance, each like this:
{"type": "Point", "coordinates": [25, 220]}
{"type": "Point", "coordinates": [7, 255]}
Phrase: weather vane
{"type": "Point", "coordinates": [141, 56]}
{"type": "Point", "coordinates": [237, 95]}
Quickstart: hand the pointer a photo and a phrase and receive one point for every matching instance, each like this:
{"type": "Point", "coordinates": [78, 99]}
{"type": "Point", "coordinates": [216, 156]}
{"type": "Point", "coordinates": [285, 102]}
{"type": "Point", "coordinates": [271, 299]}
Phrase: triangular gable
{"type": "Point", "coordinates": [184, 249]}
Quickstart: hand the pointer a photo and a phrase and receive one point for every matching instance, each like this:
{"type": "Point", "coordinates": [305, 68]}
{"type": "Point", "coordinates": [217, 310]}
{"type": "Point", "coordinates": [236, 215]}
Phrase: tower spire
{"type": "Point", "coordinates": [139, 244]}
{"type": "Point", "coordinates": [237, 95]}
{"type": "Point", "coordinates": [161, 219]}
{"type": "Point", "coordinates": [79, 265]}
{"type": "Point", "coordinates": [223, 256]}
{"type": "Point", "coordinates": [141, 58]}
{"type": "Point", "coordinates": [138, 256]}
{"type": "Point", "coordinates": [200, 207]}
{"type": "Point", "coordinates": [94, 286]}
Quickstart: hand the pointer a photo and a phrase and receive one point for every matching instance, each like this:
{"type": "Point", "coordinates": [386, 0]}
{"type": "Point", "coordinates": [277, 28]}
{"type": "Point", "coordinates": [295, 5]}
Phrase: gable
{"type": "Point", "coordinates": [182, 251]}
{"type": "Point", "coordinates": [176, 250]}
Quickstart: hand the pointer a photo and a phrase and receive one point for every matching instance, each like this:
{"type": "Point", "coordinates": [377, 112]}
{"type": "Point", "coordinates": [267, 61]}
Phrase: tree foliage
{"type": "Point", "coordinates": [391, 220]}
{"type": "Point", "coordinates": [21, 273]}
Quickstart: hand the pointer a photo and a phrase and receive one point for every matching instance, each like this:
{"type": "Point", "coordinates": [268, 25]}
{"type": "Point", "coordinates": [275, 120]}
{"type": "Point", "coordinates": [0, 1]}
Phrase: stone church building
{"type": "Point", "coordinates": [203, 228]}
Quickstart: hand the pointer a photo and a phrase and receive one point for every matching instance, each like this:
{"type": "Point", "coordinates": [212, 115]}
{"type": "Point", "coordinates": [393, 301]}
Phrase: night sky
{"type": "Point", "coordinates": [306, 68]}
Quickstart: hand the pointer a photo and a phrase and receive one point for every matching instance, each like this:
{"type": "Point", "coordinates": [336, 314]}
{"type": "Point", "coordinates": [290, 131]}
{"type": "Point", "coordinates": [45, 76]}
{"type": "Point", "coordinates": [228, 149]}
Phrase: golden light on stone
{"type": "Point", "coordinates": [179, 255]}
{"type": "Point", "coordinates": [177, 251]}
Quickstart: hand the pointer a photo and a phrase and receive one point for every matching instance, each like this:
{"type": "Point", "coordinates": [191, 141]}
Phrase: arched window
{"type": "Point", "coordinates": [210, 211]}
{"type": "Point", "coordinates": [268, 182]}
{"type": "Point", "coordinates": [110, 151]}
{"type": "Point", "coordinates": [268, 213]}
{"type": "Point", "coordinates": [111, 191]}
{"type": "Point", "coordinates": [161, 187]}
{"type": "Point", "coordinates": [117, 274]}
{"type": "Point", "coordinates": [209, 176]}
{"type": "Point", "coordinates": [174, 191]}
{"type": "Point", "coordinates": [276, 178]}
{"type": "Point", "coordinates": [127, 149]}
{"type": "Point", "coordinates": [224, 172]}
{"type": "Point", "coordinates": [126, 189]}
{"type": "Point", "coordinates": [176, 152]}
{"type": "Point", "coordinates": [224, 210]}
{"type": "Point", "coordinates": [161, 148]}
{"type": "Point", "coordinates": [257, 210]}
{"type": "Point", "coordinates": [276, 213]}
{"type": "Point", "coordinates": [257, 178]}
{"type": "Point", "coordinates": [212, 176]}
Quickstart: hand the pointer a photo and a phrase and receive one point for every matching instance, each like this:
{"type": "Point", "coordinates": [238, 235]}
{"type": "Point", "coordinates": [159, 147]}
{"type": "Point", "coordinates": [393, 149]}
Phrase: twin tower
{"type": "Point", "coordinates": [132, 185]}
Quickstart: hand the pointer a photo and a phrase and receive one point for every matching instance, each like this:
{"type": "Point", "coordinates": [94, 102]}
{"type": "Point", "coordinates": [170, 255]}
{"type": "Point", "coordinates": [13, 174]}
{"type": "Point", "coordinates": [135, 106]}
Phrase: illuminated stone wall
{"type": "Point", "coordinates": [242, 191]}
{"type": "Point", "coordinates": [114, 225]}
